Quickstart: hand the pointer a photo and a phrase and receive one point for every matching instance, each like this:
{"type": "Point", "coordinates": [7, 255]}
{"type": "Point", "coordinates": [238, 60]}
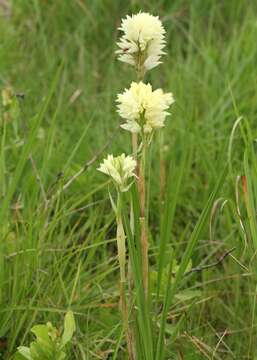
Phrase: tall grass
{"type": "Point", "coordinates": [58, 243]}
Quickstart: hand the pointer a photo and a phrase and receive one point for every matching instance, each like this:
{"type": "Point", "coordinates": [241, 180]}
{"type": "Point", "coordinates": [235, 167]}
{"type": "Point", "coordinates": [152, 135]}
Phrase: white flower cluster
{"type": "Point", "coordinates": [143, 40]}
{"type": "Point", "coordinates": [120, 169]}
{"type": "Point", "coordinates": [143, 108]}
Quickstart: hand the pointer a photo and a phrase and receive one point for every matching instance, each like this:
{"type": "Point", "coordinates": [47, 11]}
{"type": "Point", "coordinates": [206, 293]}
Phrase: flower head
{"type": "Point", "coordinates": [143, 108]}
{"type": "Point", "coordinates": [143, 41]}
{"type": "Point", "coordinates": [120, 168]}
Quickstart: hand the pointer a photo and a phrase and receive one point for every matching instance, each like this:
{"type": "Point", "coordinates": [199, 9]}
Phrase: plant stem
{"type": "Point", "coordinates": [142, 195]}
{"type": "Point", "coordinates": [140, 77]}
{"type": "Point", "coordinates": [134, 141]}
{"type": "Point", "coordinates": [142, 199]}
{"type": "Point", "coordinates": [134, 144]}
{"type": "Point", "coordinates": [122, 263]}
{"type": "Point", "coordinates": [162, 171]}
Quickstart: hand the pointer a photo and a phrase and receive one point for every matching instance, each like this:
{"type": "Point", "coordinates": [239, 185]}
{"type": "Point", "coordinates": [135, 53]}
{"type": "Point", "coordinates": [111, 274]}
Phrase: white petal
{"type": "Point", "coordinates": [131, 126]}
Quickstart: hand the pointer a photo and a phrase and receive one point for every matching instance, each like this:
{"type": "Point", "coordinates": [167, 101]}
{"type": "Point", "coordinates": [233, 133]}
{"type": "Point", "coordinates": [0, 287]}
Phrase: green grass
{"type": "Point", "coordinates": [60, 254]}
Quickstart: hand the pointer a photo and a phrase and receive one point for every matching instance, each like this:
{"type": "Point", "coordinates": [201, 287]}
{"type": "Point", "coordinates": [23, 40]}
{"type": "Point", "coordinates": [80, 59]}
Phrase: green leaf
{"type": "Point", "coordinates": [38, 352]}
{"type": "Point", "coordinates": [69, 328]}
{"type": "Point", "coordinates": [41, 332]}
{"type": "Point", "coordinates": [143, 312]}
{"type": "Point", "coordinates": [18, 356]}
{"type": "Point", "coordinates": [43, 339]}
{"type": "Point", "coordinates": [23, 353]}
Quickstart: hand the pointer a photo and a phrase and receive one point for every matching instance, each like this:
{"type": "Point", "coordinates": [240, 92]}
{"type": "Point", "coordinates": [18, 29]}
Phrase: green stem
{"type": "Point", "coordinates": [3, 169]}
{"type": "Point", "coordinates": [162, 170]}
{"type": "Point", "coordinates": [121, 240]}
{"type": "Point", "coordinates": [142, 199]}
{"type": "Point", "coordinates": [134, 140]}
{"type": "Point", "coordinates": [140, 77]}
{"type": "Point", "coordinates": [121, 244]}
{"type": "Point", "coordinates": [3, 225]}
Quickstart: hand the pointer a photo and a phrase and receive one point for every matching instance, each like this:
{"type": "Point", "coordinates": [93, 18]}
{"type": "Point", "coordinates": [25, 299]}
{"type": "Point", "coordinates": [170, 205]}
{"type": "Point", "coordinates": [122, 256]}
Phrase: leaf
{"type": "Point", "coordinates": [114, 207]}
{"type": "Point", "coordinates": [69, 328]}
{"type": "Point", "coordinates": [43, 339]}
{"type": "Point", "coordinates": [48, 345]}
{"type": "Point", "coordinates": [41, 332]}
{"type": "Point", "coordinates": [18, 356]}
{"type": "Point", "coordinates": [23, 353]}
{"type": "Point", "coordinates": [38, 352]}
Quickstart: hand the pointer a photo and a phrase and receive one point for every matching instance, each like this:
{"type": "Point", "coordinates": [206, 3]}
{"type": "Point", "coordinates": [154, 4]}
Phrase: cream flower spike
{"type": "Point", "coordinates": [120, 169]}
{"type": "Point", "coordinates": [142, 42]}
{"type": "Point", "coordinates": [143, 108]}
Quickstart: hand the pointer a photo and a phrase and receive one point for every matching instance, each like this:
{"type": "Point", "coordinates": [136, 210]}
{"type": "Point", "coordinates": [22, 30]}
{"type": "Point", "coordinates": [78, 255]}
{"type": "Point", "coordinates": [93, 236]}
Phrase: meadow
{"type": "Point", "coordinates": [57, 228]}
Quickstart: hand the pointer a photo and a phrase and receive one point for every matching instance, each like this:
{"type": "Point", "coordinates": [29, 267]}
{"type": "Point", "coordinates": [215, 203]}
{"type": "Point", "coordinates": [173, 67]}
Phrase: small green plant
{"type": "Point", "coordinates": [49, 344]}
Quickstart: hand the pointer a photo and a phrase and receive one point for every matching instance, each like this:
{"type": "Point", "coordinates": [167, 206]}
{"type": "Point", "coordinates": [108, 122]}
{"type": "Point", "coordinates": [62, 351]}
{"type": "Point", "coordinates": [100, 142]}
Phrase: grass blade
{"type": "Point", "coordinates": [171, 290]}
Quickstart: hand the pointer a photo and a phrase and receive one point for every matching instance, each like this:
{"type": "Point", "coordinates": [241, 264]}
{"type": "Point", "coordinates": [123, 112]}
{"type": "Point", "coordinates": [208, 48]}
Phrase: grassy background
{"type": "Point", "coordinates": [60, 54]}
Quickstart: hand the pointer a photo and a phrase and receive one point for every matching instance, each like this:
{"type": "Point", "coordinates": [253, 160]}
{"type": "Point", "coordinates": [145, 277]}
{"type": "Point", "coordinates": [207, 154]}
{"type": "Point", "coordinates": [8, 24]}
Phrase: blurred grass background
{"type": "Point", "coordinates": [65, 255]}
